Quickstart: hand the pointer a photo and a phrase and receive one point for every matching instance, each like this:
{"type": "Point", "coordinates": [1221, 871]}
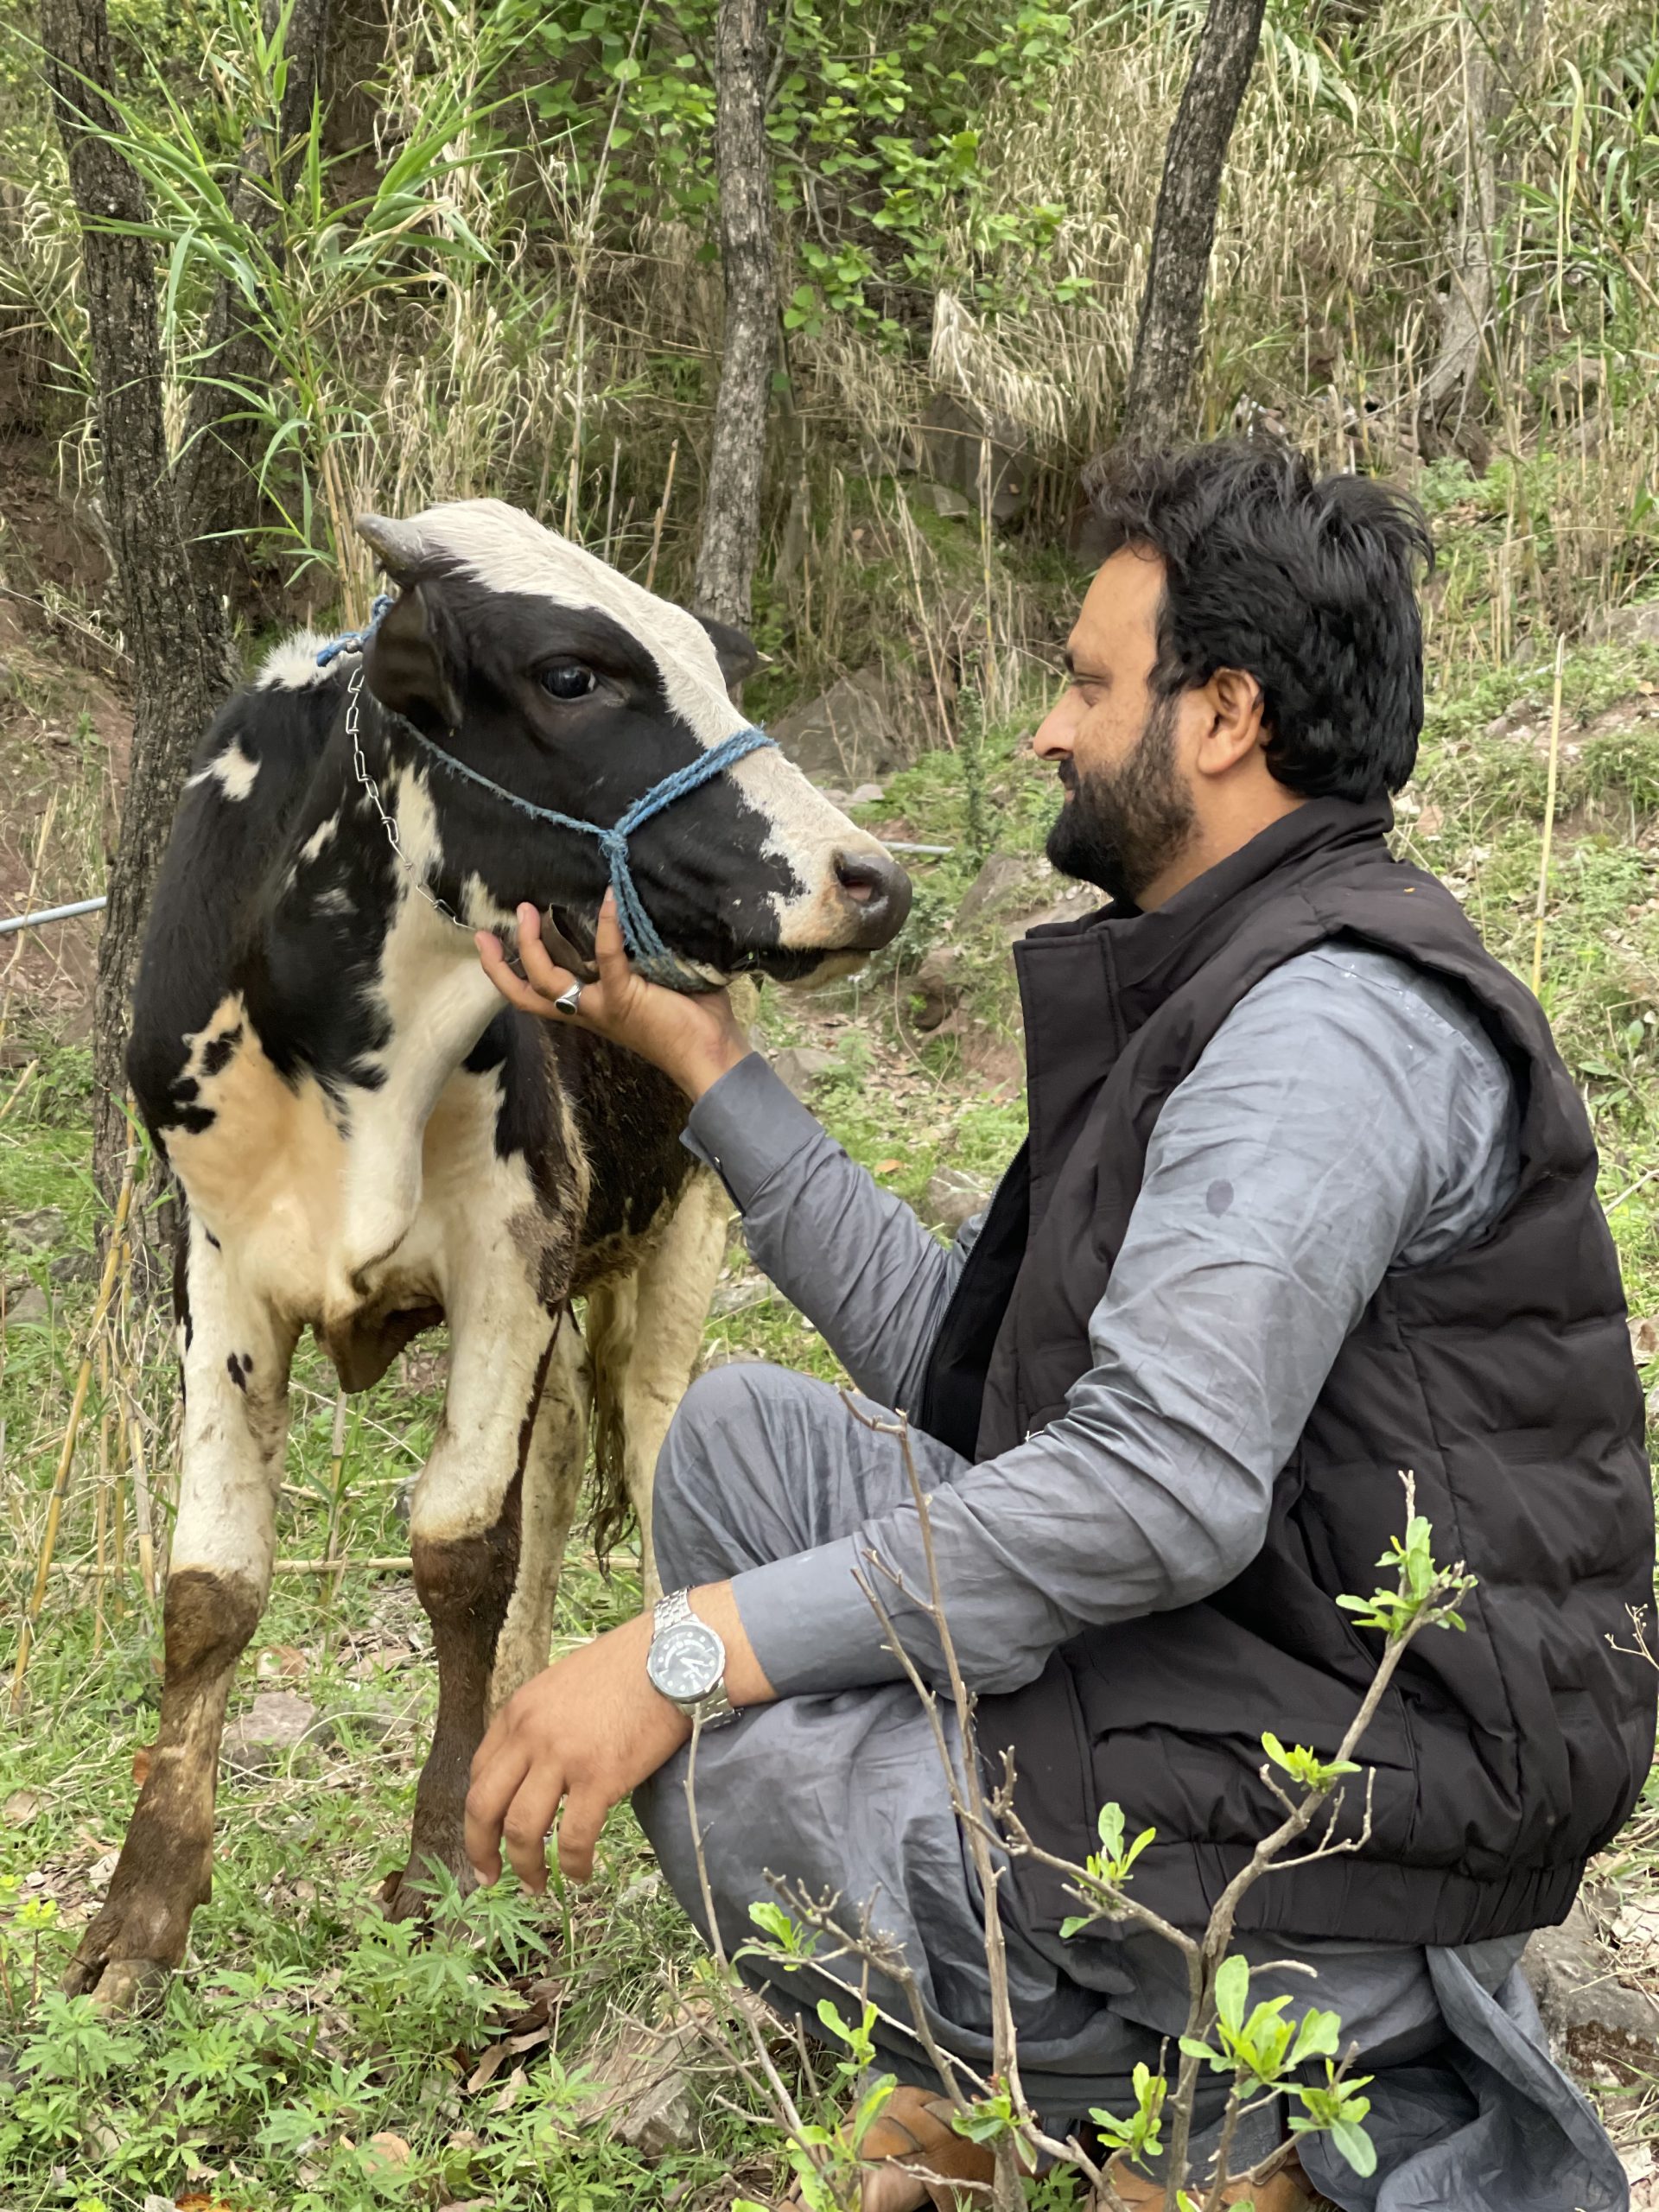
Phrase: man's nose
{"type": "Point", "coordinates": [877, 890]}
{"type": "Point", "coordinates": [1057, 727]}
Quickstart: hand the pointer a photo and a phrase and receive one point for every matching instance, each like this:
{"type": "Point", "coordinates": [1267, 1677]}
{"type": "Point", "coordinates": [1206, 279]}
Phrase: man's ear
{"type": "Point", "coordinates": [736, 651]}
{"type": "Point", "coordinates": [1237, 726]}
{"type": "Point", "coordinates": [411, 664]}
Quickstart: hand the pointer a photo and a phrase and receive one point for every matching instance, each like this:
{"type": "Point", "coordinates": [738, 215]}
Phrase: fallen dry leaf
{"type": "Point", "coordinates": [888, 1166]}
{"type": "Point", "coordinates": [21, 1806]}
{"type": "Point", "coordinates": [391, 2148]}
{"type": "Point", "coordinates": [280, 1663]}
{"type": "Point", "coordinates": [1644, 1337]}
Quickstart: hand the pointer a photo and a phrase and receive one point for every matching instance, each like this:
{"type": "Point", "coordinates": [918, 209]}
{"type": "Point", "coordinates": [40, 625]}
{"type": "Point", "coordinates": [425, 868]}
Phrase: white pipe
{"type": "Point", "coordinates": [12, 923]}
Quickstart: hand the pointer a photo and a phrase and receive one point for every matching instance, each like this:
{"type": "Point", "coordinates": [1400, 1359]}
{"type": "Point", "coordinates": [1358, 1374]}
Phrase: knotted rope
{"type": "Point", "coordinates": [639, 933]}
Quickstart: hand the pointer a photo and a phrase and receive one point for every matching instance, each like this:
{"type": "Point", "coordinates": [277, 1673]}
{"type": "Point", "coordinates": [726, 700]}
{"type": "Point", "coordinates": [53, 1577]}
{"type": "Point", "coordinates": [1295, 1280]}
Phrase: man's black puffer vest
{"type": "Point", "coordinates": [1501, 1377]}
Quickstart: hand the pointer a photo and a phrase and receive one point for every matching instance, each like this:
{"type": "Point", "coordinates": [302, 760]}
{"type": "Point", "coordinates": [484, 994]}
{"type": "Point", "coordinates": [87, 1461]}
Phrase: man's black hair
{"type": "Point", "coordinates": [1308, 584]}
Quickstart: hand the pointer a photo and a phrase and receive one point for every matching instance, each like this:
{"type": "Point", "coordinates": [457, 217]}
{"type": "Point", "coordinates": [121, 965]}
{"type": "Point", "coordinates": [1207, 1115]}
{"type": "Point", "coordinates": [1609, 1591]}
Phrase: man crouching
{"type": "Point", "coordinates": [1308, 1200]}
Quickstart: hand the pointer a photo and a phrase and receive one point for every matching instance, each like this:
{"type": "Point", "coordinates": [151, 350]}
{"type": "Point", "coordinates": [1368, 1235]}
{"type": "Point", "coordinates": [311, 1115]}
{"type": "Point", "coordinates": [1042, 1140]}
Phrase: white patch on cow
{"type": "Point", "coordinates": [321, 836]}
{"type": "Point", "coordinates": [436, 1002]}
{"type": "Point", "coordinates": [507, 550]}
{"type": "Point", "coordinates": [231, 769]}
{"type": "Point", "coordinates": [334, 901]}
{"type": "Point", "coordinates": [292, 666]}
{"type": "Point", "coordinates": [235, 1430]}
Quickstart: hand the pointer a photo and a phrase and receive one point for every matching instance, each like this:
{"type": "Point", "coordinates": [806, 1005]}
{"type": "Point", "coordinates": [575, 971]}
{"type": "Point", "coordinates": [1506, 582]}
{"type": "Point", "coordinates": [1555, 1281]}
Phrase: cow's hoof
{"type": "Point", "coordinates": [409, 1892]}
{"type": "Point", "coordinates": [118, 1986]}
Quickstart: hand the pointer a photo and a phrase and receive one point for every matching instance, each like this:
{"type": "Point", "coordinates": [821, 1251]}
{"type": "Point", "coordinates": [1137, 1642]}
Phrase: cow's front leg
{"type": "Point", "coordinates": [464, 1538]}
{"type": "Point", "coordinates": [236, 1365]}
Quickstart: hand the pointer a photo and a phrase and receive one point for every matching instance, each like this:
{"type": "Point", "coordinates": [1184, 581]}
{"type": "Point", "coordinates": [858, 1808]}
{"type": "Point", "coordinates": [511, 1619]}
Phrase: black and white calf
{"type": "Point", "coordinates": [369, 1142]}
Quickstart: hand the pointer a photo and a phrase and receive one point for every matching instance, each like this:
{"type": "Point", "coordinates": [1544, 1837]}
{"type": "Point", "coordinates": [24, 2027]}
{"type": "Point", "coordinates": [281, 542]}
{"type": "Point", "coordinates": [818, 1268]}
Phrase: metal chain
{"type": "Point", "coordinates": [353, 704]}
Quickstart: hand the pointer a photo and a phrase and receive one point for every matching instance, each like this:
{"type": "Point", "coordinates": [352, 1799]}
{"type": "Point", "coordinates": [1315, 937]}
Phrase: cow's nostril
{"type": "Point", "coordinates": [879, 887]}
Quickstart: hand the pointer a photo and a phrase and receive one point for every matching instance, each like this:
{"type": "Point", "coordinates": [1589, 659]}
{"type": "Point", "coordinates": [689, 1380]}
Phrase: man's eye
{"type": "Point", "coordinates": [566, 679]}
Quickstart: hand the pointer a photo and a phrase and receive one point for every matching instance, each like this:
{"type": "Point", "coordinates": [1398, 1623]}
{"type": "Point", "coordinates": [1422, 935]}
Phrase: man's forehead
{"type": "Point", "coordinates": [1120, 609]}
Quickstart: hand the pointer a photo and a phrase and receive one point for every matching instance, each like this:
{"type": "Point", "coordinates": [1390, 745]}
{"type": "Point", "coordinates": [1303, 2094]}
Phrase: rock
{"type": "Point", "coordinates": [37, 1231]}
{"type": "Point", "coordinates": [660, 2119]}
{"type": "Point", "coordinates": [8, 681]}
{"type": "Point", "coordinates": [738, 1296]}
{"type": "Point", "coordinates": [269, 1732]}
{"type": "Point", "coordinates": [74, 1267]}
{"type": "Point", "coordinates": [952, 1198]}
{"type": "Point", "coordinates": [1071, 906]}
{"type": "Point", "coordinates": [960, 441]}
{"type": "Point", "coordinates": [1633, 625]}
{"type": "Point", "coordinates": [1644, 1338]}
{"type": "Point", "coordinates": [1601, 2029]}
{"type": "Point", "coordinates": [938, 984]}
{"type": "Point", "coordinates": [1003, 876]}
{"type": "Point", "coordinates": [866, 795]}
{"type": "Point", "coordinates": [28, 1305]}
{"type": "Point", "coordinates": [802, 1066]}
{"type": "Point", "coordinates": [848, 735]}
{"type": "Point", "coordinates": [373, 1722]}
{"type": "Point", "coordinates": [21, 1807]}
{"type": "Point", "coordinates": [947, 500]}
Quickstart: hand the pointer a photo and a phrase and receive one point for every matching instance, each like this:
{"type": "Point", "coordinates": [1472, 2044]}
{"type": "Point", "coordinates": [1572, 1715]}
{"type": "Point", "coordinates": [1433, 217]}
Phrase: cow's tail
{"type": "Point", "coordinates": [609, 1331]}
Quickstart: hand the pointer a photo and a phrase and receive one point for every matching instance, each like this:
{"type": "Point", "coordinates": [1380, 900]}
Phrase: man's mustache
{"type": "Point", "coordinates": [1067, 774]}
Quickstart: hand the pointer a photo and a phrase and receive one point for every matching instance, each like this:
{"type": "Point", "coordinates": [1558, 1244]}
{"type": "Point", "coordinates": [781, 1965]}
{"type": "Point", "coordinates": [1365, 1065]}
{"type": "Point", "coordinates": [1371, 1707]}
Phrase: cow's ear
{"type": "Point", "coordinates": [736, 651]}
{"type": "Point", "coordinates": [411, 664]}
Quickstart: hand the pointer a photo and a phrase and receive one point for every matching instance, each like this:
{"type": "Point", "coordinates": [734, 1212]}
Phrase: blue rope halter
{"type": "Point", "coordinates": [639, 933]}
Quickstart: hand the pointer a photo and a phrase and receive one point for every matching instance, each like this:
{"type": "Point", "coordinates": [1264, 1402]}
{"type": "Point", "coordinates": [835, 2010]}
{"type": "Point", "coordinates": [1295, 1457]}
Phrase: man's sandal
{"type": "Point", "coordinates": [1288, 2190]}
{"type": "Point", "coordinates": [912, 2131]}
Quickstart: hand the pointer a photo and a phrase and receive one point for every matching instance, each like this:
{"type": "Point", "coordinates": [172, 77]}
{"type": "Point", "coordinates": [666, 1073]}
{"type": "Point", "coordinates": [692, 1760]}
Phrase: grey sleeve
{"type": "Point", "coordinates": [1337, 1123]}
{"type": "Point", "coordinates": [852, 1257]}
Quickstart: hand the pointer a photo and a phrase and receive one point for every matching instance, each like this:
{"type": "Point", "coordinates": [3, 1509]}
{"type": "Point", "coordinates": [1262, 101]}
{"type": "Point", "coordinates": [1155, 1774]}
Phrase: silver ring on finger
{"type": "Point", "coordinates": [569, 1001]}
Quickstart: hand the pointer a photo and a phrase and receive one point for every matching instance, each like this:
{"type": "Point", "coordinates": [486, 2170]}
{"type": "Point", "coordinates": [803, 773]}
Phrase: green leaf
{"type": "Point", "coordinates": [1354, 2145]}
{"type": "Point", "coordinates": [1232, 1988]}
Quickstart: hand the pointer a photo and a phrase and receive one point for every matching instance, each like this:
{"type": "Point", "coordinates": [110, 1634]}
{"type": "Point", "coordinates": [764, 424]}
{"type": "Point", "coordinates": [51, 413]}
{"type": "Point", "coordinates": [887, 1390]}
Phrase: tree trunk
{"type": "Point", "coordinates": [176, 633]}
{"type": "Point", "coordinates": [1449, 387]}
{"type": "Point", "coordinates": [216, 471]}
{"type": "Point", "coordinates": [1172, 308]}
{"type": "Point", "coordinates": [731, 514]}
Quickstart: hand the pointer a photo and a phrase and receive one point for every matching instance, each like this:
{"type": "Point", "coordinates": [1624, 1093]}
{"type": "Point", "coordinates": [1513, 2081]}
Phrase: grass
{"type": "Point", "coordinates": [304, 2027]}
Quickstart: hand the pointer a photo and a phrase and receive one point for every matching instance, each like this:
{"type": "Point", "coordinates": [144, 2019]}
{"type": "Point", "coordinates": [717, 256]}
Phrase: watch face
{"type": "Point", "coordinates": [686, 1660]}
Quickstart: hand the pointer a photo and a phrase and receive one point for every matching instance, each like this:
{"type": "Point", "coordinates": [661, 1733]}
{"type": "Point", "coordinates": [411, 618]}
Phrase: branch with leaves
{"type": "Point", "coordinates": [1261, 2054]}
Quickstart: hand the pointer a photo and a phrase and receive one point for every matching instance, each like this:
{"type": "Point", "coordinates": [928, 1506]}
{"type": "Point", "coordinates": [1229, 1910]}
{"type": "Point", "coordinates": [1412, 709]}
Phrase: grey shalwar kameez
{"type": "Point", "coordinates": [1349, 1116]}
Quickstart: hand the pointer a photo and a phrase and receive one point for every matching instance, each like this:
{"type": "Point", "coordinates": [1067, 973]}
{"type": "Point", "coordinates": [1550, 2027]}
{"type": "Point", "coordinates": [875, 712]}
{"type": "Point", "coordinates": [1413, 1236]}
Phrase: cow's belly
{"type": "Point", "coordinates": [361, 1221]}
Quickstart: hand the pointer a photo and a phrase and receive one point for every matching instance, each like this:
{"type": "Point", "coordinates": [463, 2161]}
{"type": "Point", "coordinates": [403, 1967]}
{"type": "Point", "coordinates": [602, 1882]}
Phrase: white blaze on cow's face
{"type": "Point", "coordinates": [828, 871]}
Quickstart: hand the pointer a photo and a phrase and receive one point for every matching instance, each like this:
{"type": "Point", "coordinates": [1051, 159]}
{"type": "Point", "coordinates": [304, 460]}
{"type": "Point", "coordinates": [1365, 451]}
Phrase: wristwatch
{"type": "Point", "coordinates": [687, 1662]}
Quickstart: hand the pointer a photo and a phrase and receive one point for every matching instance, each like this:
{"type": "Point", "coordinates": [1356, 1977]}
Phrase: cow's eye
{"type": "Point", "coordinates": [566, 679]}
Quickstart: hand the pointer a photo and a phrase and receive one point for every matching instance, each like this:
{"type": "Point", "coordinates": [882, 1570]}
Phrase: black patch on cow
{"type": "Point", "coordinates": [241, 1366]}
{"type": "Point", "coordinates": [216, 1057]}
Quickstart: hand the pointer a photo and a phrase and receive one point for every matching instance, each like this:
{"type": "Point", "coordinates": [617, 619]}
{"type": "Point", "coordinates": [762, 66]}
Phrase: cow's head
{"type": "Point", "coordinates": [560, 680]}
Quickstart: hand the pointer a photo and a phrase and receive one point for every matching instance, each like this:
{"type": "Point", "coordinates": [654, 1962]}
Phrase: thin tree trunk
{"type": "Point", "coordinates": [176, 632]}
{"type": "Point", "coordinates": [1172, 308]}
{"type": "Point", "coordinates": [216, 470]}
{"type": "Point", "coordinates": [731, 515]}
{"type": "Point", "coordinates": [1450, 383]}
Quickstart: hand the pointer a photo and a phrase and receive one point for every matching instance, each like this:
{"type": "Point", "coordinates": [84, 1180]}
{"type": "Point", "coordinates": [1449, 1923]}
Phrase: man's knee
{"type": "Point", "coordinates": [714, 1453]}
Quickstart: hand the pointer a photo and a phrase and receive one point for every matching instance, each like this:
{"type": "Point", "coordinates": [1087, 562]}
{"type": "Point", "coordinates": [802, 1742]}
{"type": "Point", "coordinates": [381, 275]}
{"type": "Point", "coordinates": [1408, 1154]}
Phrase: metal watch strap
{"type": "Point", "coordinates": [670, 1609]}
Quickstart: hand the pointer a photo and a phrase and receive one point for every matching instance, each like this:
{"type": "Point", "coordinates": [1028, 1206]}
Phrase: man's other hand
{"type": "Point", "coordinates": [583, 1734]}
{"type": "Point", "coordinates": [693, 1036]}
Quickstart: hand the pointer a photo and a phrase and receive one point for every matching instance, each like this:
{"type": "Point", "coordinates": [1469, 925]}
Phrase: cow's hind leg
{"type": "Point", "coordinates": [465, 1537]}
{"type": "Point", "coordinates": [644, 1344]}
{"type": "Point", "coordinates": [235, 1366]}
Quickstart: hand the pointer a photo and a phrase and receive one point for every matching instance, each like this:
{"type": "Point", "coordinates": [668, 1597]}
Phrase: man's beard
{"type": "Point", "coordinates": [1121, 827]}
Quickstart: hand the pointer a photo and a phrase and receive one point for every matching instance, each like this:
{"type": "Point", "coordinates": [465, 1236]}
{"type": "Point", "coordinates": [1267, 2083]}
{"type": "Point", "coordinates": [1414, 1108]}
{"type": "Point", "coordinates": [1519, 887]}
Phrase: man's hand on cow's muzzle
{"type": "Point", "coordinates": [693, 1038]}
